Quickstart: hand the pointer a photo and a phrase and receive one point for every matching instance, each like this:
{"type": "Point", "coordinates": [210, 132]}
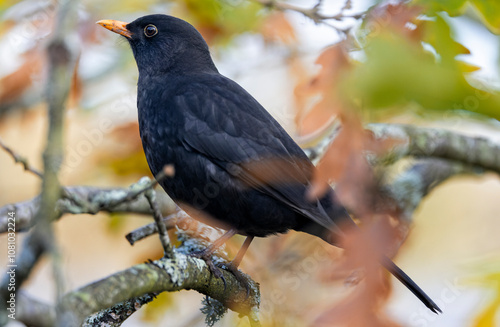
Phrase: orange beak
{"type": "Point", "coordinates": [116, 26]}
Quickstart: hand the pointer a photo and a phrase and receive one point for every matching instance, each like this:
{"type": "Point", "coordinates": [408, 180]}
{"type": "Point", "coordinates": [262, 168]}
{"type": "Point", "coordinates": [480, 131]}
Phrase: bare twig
{"type": "Point", "coordinates": [85, 199]}
{"type": "Point", "coordinates": [313, 13]}
{"type": "Point", "coordinates": [19, 159]}
{"type": "Point", "coordinates": [150, 229]}
{"type": "Point", "coordinates": [162, 229]}
{"type": "Point", "coordinates": [144, 184]}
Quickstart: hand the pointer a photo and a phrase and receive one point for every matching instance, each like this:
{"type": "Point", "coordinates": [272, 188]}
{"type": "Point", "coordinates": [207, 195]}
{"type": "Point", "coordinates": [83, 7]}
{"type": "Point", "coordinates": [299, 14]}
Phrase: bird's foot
{"type": "Point", "coordinates": [240, 277]}
{"type": "Point", "coordinates": [217, 271]}
{"type": "Point", "coordinates": [206, 256]}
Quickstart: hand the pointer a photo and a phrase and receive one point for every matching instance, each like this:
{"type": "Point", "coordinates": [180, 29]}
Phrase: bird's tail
{"type": "Point", "coordinates": [344, 223]}
{"type": "Point", "coordinates": [409, 283]}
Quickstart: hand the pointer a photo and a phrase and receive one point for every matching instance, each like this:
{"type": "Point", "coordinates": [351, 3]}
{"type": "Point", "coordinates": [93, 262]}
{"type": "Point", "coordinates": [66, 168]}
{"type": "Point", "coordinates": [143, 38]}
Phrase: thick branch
{"type": "Point", "coordinates": [438, 143]}
{"type": "Point", "coordinates": [181, 272]}
{"type": "Point", "coordinates": [34, 313]}
{"type": "Point", "coordinates": [412, 185]}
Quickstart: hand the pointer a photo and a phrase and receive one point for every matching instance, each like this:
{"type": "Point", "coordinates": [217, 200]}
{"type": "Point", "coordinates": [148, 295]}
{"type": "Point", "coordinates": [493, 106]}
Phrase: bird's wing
{"type": "Point", "coordinates": [230, 128]}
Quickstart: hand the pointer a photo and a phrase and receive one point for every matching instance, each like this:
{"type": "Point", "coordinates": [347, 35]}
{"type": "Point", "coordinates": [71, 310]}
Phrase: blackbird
{"type": "Point", "coordinates": [234, 164]}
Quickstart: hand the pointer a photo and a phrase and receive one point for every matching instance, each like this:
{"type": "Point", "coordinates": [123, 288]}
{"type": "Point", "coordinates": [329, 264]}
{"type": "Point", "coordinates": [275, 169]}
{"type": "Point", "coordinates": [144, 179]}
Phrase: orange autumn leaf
{"type": "Point", "coordinates": [16, 83]}
{"type": "Point", "coordinates": [333, 63]}
{"type": "Point", "coordinates": [399, 17]}
{"type": "Point", "coordinates": [364, 305]}
{"type": "Point", "coordinates": [277, 28]}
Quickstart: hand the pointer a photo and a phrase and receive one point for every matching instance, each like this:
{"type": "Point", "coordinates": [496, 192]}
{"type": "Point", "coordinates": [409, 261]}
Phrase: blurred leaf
{"type": "Point", "coordinates": [452, 7]}
{"type": "Point", "coordinates": [398, 72]}
{"type": "Point", "coordinates": [155, 310]}
{"type": "Point", "coordinates": [115, 222]}
{"type": "Point", "coordinates": [364, 306]}
{"type": "Point", "coordinates": [219, 20]}
{"type": "Point", "coordinates": [121, 6]}
{"type": "Point", "coordinates": [399, 18]}
{"type": "Point", "coordinates": [276, 27]}
{"type": "Point", "coordinates": [487, 10]}
{"type": "Point", "coordinates": [467, 67]}
{"type": "Point", "coordinates": [133, 163]}
{"type": "Point", "coordinates": [126, 156]}
{"type": "Point", "coordinates": [16, 83]}
{"type": "Point", "coordinates": [334, 62]}
{"type": "Point", "coordinates": [438, 34]}
{"type": "Point", "coordinates": [491, 280]}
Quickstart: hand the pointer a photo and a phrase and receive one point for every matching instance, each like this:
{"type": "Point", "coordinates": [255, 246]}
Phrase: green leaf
{"type": "Point", "coordinates": [155, 310]}
{"type": "Point", "coordinates": [398, 74]}
{"type": "Point", "coordinates": [489, 12]}
{"type": "Point", "coordinates": [220, 20]}
{"type": "Point", "coordinates": [452, 7]}
{"type": "Point", "coordinates": [438, 34]}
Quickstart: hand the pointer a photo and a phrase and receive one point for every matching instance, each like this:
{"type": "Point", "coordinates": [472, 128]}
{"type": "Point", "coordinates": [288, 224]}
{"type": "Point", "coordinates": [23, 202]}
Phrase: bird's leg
{"type": "Point", "coordinates": [233, 266]}
{"type": "Point", "coordinates": [239, 256]}
{"type": "Point", "coordinates": [207, 252]}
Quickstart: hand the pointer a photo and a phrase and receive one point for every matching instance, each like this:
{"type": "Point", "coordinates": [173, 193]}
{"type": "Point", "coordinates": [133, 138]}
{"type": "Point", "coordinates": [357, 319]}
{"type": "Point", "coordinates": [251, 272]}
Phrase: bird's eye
{"type": "Point", "coordinates": [150, 30]}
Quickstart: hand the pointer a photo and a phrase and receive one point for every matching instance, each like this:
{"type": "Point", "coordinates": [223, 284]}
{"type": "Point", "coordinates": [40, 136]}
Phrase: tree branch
{"type": "Point", "coordinates": [150, 229]}
{"type": "Point", "coordinates": [86, 199]}
{"type": "Point", "coordinates": [314, 13]}
{"type": "Point", "coordinates": [19, 159]}
{"type": "Point", "coordinates": [181, 272]}
{"type": "Point", "coordinates": [411, 186]}
{"type": "Point", "coordinates": [62, 58]}
{"type": "Point", "coordinates": [424, 142]}
{"type": "Point", "coordinates": [118, 313]}
{"type": "Point", "coordinates": [34, 313]}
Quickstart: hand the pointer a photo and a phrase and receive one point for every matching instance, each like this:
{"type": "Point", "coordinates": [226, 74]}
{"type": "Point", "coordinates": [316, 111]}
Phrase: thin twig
{"type": "Point", "coordinates": [313, 13]}
{"type": "Point", "coordinates": [150, 229]}
{"type": "Point", "coordinates": [162, 229]}
{"type": "Point", "coordinates": [19, 159]}
{"type": "Point", "coordinates": [144, 185]}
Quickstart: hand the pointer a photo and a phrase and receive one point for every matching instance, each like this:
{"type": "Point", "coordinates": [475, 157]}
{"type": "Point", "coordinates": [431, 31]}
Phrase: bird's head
{"type": "Point", "coordinates": [164, 44]}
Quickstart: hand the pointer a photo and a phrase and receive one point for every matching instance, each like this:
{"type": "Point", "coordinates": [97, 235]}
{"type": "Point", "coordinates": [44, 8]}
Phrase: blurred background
{"type": "Point", "coordinates": [426, 63]}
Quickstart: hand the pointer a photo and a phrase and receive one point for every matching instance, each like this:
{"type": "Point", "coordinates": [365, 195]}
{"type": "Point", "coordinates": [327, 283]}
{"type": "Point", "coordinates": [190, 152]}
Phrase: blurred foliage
{"type": "Point", "coordinates": [487, 275]}
{"type": "Point", "coordinates": [399, 71]}
{"type": "Point", "coordinates": [488, 11]}
{"type": "Point", "coordinates": [155, 310]}
{"type": "Point", "coordinates": [220, 20]}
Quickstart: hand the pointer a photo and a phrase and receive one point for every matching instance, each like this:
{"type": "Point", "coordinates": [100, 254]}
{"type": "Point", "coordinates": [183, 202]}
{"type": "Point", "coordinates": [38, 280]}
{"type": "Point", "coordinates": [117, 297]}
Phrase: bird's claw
{"type": "Point", "coordinates": [240, 277]}
{"type": "Point", "coordinates": [207, 257]}
{"type": "Point", "coordinates": [217, 271]}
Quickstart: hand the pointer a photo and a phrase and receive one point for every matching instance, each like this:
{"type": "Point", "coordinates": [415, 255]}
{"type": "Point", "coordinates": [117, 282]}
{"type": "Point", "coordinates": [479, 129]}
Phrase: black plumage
{"type": "Point", "coordinates": [233, 161]}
